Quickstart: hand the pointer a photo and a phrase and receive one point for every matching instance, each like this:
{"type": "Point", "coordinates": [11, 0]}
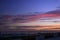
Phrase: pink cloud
{"type": "Point", "coordinates": [52, 14]}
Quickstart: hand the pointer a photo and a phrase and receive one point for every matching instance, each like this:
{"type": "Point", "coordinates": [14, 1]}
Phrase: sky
{"type": "Point", "coordinates": [27, 6]}
{"type": "Point", "coordinates": [39, 22]}
{"type": "Point", "coordinates": [24, 7]}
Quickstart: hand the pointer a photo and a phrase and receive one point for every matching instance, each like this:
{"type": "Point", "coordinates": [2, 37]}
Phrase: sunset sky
{"type": "Point", "coordinates": [48, 16]}
{"type": "Point", "coordinates": [44, 21]}
{"type": "Point", "coordinates": [26, 6]}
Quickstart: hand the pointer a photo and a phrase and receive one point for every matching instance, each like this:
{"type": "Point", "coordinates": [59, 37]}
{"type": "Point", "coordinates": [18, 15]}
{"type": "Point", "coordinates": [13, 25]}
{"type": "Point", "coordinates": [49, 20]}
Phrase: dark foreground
{"type": "Point", "coordinates": [38, 36]}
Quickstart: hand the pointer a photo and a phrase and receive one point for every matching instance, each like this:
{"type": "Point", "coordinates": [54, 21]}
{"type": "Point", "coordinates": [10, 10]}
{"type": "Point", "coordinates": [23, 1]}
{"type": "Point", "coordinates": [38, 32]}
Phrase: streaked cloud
{"type": "Point", "coordinates": [37, 22]}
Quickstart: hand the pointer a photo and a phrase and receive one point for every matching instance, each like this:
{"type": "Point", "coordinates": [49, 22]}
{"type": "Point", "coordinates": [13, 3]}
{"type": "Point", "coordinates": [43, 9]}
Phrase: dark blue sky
{"type": "Point", "coordinates": [25, 6]}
